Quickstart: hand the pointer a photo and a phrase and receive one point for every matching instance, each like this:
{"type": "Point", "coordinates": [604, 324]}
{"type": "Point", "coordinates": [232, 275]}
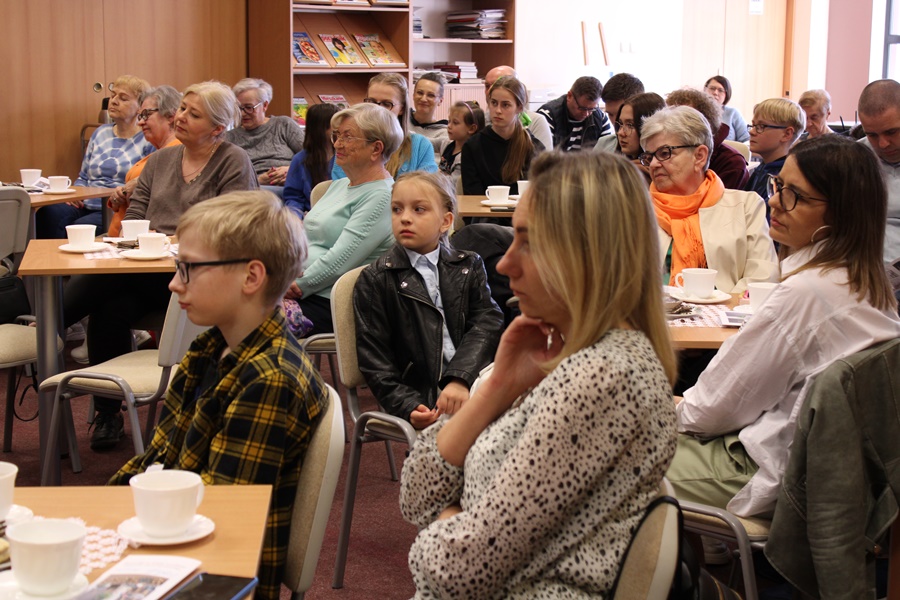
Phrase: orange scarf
{"type": "Point", "coordinates": [679, 217]}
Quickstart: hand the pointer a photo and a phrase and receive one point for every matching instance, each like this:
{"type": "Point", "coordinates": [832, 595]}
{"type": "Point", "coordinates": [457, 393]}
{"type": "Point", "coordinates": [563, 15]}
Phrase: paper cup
{"type": "Point", "coordinates": [166, 501]}
{"type": "Point", "coordinates": [81, 236]}
{"type": "Point", "coordinates": [45, 554]}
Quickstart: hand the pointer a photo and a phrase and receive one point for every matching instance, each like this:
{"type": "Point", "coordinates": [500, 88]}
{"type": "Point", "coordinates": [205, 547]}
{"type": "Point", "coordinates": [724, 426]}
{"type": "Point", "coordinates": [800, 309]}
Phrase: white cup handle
{"type": "Point", "coordinates": [68, 183]}
{"type": "Point", "coordinates": [487, 193]}
{"type": "Point", "coordinates": [679, 283]}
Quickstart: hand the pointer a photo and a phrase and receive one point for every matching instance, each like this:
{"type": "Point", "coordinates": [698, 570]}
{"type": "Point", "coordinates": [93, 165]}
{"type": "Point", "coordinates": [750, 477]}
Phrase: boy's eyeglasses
{"type": "Point", "coordinates": [761, 127]}
{"type": "Point", "coordinates": [184, 268]}
{"type": "Point", "coordinates": [662, 153]}
{"type": "Point", "coordinates": [787, 197]}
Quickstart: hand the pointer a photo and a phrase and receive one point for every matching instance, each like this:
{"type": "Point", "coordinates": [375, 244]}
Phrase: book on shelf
{"type": "Point", "coordinates": [375, 52]}
{"type": "Point", "coordinates": [389, 2]}
{"type": "Point", "coordinates": [336, 99]}
{"type": "Point", "coordinates": [299, 106]}
{"type": "Point", "coordinates": [477, 24]}
{"type": "Point", "coordinates": [328, 2]}
{"type": "Point", "coordinates": [342, 50]}
{"type": "Point", "coordinates": [351, 3]}
{"type": "Point", "coordinates": [305, 52]}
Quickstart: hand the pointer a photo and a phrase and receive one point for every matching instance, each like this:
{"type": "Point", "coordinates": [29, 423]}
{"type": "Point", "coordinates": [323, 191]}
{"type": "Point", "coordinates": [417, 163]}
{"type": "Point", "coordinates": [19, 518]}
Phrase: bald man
{"type": "Point", "coordinates": [532, 121]}
{"type": "Point", "coordinates": [879, 113]}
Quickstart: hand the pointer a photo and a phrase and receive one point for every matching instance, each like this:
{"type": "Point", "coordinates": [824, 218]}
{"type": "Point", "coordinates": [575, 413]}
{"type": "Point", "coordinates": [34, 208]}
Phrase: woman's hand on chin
{"type": "Point", "coordinates": [525, 346]}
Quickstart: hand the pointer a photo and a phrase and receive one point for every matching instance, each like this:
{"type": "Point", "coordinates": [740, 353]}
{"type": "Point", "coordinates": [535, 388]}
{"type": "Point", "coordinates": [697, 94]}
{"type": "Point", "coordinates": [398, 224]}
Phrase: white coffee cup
{"type": "Point", "coordinates": [166, 501]}
{"type": "Point", "coordinates": [498, 193]}
{"type": "Point", "coordinates": [45, 554]}
{"type": "Point", "coordinates": [152, 244]}
{"type": "Point", "coordinates": [81, 237]}
{"type": "Point", "coordinates": [8, 472]}
{"type": "Point", "coordinates": [59, 183]}
{"type": "Point", "coordinates": [132, 228]}
{"type": "Point", "coordinates": [29, 176]}
{"type": "Point", "coordinates": [697, 283]}
{"type": "Point", "coordinates": [759, 291]}
{"type": "Point", "coordinates": [522, 184]}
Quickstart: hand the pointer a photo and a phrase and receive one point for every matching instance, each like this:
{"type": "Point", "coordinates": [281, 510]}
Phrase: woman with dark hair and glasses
{"type": "Point", "coordinates": [702, 224]}
{"type": "Point", "coordinates": [828, 213]}
{"type": "Point", "coordinates": [719, 88]}
{"type": "Point", "coordinates": [629, 119]}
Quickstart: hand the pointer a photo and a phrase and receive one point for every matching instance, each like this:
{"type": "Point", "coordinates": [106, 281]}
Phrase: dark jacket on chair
{"type": "Point", "coordinates": [839, 493]}
{"type": "Point", "coordinates": [399, 330]}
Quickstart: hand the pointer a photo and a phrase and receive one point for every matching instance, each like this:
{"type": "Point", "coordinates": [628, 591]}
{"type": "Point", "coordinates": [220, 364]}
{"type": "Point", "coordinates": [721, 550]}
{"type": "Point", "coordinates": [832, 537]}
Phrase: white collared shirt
{"type": "Point", "coordinates": [427, 266]}
{"type": "Point", "coordinates": [758, 380]}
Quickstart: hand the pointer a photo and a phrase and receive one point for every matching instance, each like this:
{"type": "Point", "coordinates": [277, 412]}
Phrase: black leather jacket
{"type": "Point", "coordinates": [398, 328]}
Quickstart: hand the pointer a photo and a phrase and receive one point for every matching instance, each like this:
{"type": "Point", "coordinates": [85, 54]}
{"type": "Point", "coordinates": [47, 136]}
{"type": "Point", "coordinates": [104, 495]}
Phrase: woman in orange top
{"type": "Point", "coordinates": [157, 121]}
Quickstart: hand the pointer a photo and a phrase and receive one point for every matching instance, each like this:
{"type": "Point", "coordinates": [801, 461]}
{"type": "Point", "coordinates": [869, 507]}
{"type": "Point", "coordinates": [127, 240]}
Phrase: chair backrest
{"type": "Point", "coordinates": [345, 328]}
{"type": "Point", "coordinates": [315, 492]}
{"type": "Point", "coordinates": [177, 334]}
{"type": "Point", "coordinates": [15, 213]}
{"type": "Point", "coordinates": [318, 191]}
{"type": "Point", "coordinates": [741, 147]}
{"type": "Point", "coordinates": [648, 568]}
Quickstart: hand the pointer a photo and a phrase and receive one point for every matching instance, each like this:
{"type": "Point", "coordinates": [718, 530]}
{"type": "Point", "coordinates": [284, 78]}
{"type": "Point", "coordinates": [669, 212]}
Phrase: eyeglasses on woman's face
{"type": "Point", "coordinates": [788, 197]}
{"type": "Point", "coordinates": [715, 90]}
{"type": "Point", "coordinates": [382, 103]}
{"type": "Point", "coordinates": [662, 153]}
{"type": "Point", "coordinates": [249, 108]}
{"type": "Point", "coordinates": [625, 128]}
{"type": "Point", "coordinates": [145, 114]}
{"type": "Point", "coordinates": [345, 138]}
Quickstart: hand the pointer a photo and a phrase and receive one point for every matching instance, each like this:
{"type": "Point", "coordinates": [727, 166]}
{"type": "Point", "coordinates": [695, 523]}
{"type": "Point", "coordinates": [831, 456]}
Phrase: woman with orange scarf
{"type": "Point", "coordinates": [701, 224]}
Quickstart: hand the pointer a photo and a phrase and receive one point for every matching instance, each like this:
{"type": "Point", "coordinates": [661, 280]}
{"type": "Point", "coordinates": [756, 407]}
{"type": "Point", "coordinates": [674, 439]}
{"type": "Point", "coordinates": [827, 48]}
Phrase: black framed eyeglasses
{"type": "Point", "coordinates": [184, 268]}
{"type": "Point", "coordinates": [145, 114]}
{"type": "Point", "coordinates": [662, 153]}
{"type": "Point", "coordinates": [761, 127]}
{"type": "Point", "coordinates": [346, 138]}
{"type": "Point", "coordinates": [249, 109]}
{"type": "Point", "coordinates": [715, 90]}
{"type": "Point", "coordinates": [787, 197]}
{"type": "Point", "coordinates": [382, 103]}
{"type": "Point", "coordinates": [589, 110]}
{"type": "Point", "coordinates": [626, 127]}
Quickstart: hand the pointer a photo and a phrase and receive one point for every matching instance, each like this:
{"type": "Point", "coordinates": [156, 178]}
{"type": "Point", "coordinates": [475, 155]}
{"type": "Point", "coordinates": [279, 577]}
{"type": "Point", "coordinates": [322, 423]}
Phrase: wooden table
{"type": "Point", "coordinates": [470, 206]}
{"type": "Point", "coordinates": [80, 194]}
{"type": "Point", "coordinates": [239, 512]}
{"type": "Point", "coordinates": [48, 265]}
{"type": "Point", "coordinates": [703, 338]}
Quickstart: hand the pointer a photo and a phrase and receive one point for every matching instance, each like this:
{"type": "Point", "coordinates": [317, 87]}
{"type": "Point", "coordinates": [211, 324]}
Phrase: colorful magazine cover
{"type": "Point", "coordinates": [305, 52]}
{"type": "Point", "coordinates": [341, 49]}
{"type": "Point", "coordinates": [299, 108]}
{"type": "Point", "coordinates": [336, 99]}
{"type": "Point", "coordinates": [375, 52]}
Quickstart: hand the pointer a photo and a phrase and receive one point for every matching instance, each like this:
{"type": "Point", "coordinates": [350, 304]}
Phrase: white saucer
{"type": "Point", "coordinates": [675, 316]}
{"type": "Point", "coordinates": [515, 197]}
{"type": "Point", "coordinates": [94, 247]}
{"type": "Point", "coordinates": [499, 202]}
{"type": "Point", "coordinates": [138, 255]}
{"type": "Point", "coordinates": [9, 589]}
{"type": "Point", "coordinates": [743, 308]}
{"type": "Point", "coordinates": [60, 192]}
{"type": "Point", "coordinates": [717, 297]}
{"type": "Point", "coordinates": [18, 514]}
{"type": "Point", "coordinates": [200, 528]}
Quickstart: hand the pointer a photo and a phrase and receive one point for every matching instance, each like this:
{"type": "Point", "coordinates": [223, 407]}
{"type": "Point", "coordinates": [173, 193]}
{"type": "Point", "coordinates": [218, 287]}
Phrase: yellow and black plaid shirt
{"type": "Point", "coordinates": [244, 419]}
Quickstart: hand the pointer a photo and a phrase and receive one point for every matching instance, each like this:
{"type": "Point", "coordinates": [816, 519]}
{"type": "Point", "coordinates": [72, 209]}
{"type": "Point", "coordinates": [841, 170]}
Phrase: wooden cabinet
{"type": "Point", "coordinates": [272, 23]}
{"type": "Point", "coordinates": [57, 50]}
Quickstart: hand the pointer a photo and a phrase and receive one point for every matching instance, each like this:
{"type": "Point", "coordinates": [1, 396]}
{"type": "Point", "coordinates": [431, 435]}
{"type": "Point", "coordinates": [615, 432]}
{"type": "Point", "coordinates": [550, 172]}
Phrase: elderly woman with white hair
{"type": "Point", "coordinates": [271, 142]}
{"type": "Point", "coordinates": [702, 224]}
{"type": "Point", "coordinates": [350, 225]}
{"type": "Point", "coordinates": [817, 106]}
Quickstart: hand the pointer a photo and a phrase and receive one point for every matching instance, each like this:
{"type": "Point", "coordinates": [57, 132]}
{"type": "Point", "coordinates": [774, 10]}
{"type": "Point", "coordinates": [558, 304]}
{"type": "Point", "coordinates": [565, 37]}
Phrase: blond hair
{"type": "Point", "coordinates": [594, 238]}
{"type": "Point", "coordinates": [135, 85]}
{"type": "Point", "coordinates": [254, 225]}
{"type": "Point", "coordinates": [784, 112]}
{"type": "Point", "coordinates": [218, 101]}
{"type": "Point", "coordinates": [398, 82]}
{"type": "Point", "coordinates": [440, 185]}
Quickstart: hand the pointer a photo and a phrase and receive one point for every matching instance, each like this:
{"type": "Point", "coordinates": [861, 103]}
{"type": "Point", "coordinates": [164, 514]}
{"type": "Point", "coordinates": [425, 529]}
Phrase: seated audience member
{"type": "Point", "coordinates": [246, 399]}
{"type": "Point", "coordinates": [631, 116]}
{"type": "Point", "coordinates": [173, 180]}
{"type": "Point", "coordinates": [428, 94]}
{"type": "Point", "coordinates": [350, 226]}
{"type": "Point", "coordinates": [110, 153]}
{"type": "Point", "coordinates": [828, 210]}
{"type": "Point", "coordinates": [466, 119]}
{"type": "Point", "coordinates": [271, 142]}
{"type": "Point", "coordinates": [719, 88]}
{"type": "Point", "coordinates": [534, 122]}
{"type": "Point", "coordinates": [389, 90]}
{"type": "Point", "coordinates": [879, 114]}
{"type": "Point", "coordinates": [157, 120]}
{"type": "Point", "coordinates": [506, 491]}
{"type": "Point", "coordinates": [425, 322]}
{"type": "Point", "coordinates": [777, 124]}
{"type": "Point", "coordinates": [314, 163]}
{"type": "Point", "coordinates": [616, 90]}
{"type": "Point", "coordinates": [725, 161]}
{"type": "Point", "coordinates": [817, 106]}
{"type": "Point", "coordinates": [701, 224]}
{"type": "Point", "coordinates": [502, 152]}
{"type": "Point", "coordinates": [575, 118]}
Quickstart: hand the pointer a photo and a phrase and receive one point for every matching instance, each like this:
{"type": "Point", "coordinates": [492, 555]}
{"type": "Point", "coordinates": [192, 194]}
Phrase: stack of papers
{"type": "Point", "coordinates": [477, 24]}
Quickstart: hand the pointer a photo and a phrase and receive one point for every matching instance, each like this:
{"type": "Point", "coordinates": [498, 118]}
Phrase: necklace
{"type": "Point", "coordinates": [197, 172]}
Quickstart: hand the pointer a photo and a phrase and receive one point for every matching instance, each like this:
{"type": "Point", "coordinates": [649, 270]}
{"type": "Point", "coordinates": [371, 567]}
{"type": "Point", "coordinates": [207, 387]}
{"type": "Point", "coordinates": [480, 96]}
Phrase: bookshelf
{"type": "Point", "coordinates": [272, 23]}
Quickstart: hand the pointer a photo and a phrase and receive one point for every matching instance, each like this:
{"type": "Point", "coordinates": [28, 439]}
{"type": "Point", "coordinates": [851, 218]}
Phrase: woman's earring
{"type": "Point", "coordinates": [812, 238]}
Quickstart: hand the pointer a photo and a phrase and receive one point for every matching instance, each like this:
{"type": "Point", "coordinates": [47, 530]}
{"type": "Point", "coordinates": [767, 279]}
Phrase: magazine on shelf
{"type": "Point", "coordinates": [389, 2]}
{"type": "Point", "coordinates": [305, 52]}
{"type": "Point", "coordinates": [342, 50]}
{"type": "Point", "coordinates": [336, 99]}
{"type": "Point", "coordinates": [375, 52]}
{"type": "Point", "coordinates": [351, 3]}
{"type": "Point", "coordinates": [299, 106]}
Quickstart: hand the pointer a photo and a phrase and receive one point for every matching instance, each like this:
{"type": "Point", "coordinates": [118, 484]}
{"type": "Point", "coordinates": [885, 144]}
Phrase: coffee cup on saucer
{"type": "Point", "coordinates": [152, 244]}
{"type": "Point", "coordinates": [697, 283]}
{"type": "Point", "coordinates": [45, 554]}
{"type": "Point", "coordinates": [81, 237]}
{"type": "Point", "coordinates": [166, 501]}
{"type": "Point", "coordinates": [497, 193]}
{"type": "Point", "coordinates": [132, 228]}
{"type": "Point", "coordinates": [59, 183]}
{"type": "Point", "coordinates": [29, 176]}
